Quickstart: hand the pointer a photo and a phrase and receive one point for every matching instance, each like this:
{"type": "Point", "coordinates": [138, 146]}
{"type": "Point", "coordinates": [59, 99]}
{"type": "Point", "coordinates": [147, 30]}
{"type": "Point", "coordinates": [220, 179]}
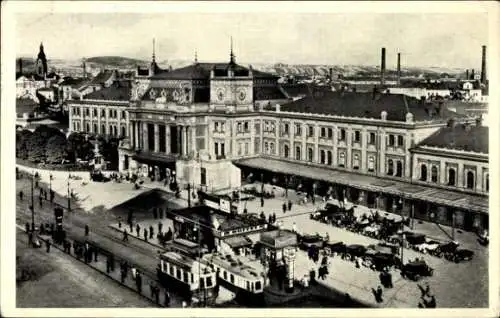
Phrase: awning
{"type": "Point", "coordinates": [238, 241]}
{"type": "Point", "coordinates": [154, 158]}
{"type": "Point", "coordinates": [455, 199]}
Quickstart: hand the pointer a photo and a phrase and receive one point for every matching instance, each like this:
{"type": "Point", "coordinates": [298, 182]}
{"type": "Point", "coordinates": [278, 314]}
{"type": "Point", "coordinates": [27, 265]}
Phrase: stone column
{"type": "Point", "coordinates": [335, 154]}
{"type": "Point", "coordinates": [179, 139]}
{"type": "Point", "coordinates": [460, 175]}
{"type": "Point", "coordinates": [316, 143]}
{"type": "Point", "coordinates": [136, 135]}
{"type": "Point", "coordinates": [381, 145]}
{"type": "Point", "coordinates": [193, 138]}
{"type": "Point", "coordinates": [131, 133]}
{"type": "Point", "coordinates": [145, 142]}
{"type": "Point", "coordinates": [167, 139]}
{"type": "Point", "coordinates": [157, 137]}
{"type": "Point", "coordinates": [185, 141]}
{"type": "Point", "coordinates": [442, 172]}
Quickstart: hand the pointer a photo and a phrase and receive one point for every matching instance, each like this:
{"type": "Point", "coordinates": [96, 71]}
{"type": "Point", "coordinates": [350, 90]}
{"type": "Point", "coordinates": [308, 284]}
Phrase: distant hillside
{"type": "Point", "coordinates": [115, 61]}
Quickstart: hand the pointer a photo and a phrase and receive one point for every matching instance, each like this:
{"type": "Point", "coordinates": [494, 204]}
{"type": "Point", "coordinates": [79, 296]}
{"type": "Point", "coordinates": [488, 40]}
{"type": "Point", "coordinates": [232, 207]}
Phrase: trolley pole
{"type": "Point", "coordinates": [32, 202]}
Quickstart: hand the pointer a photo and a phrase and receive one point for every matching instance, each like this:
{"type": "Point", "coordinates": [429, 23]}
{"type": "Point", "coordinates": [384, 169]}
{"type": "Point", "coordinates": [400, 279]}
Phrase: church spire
{"type": "Point", "coordinates": [231, 54]}
{"type": "Point", "coordinates": [41, 46]}
{"type": "Point", "coordinates": [154, 50]}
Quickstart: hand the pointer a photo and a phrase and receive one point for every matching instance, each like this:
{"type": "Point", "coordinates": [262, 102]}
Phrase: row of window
{"type": "Point", "coordinates": [219, 126]}
{"type": "Point", "coordinates": [186, 276]}
{"type": "Point", "coordinates": [219, 149]}
{"type": "Point", "coordinates": [243, 127]}
{"type": "Point", "coordinates": [243, 145]}
{"type": "Point", "coordinates": [470, 179]}
{"type": "Point", "coordinates": [94, 128]}
{"type": "Point", "coordinates": [327, 133]}
{"type": "Point", "coordinates": [113, 113]}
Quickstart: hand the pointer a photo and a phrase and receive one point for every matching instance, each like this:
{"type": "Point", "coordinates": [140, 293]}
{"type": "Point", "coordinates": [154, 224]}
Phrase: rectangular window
{"type": "Point", "coordinates": [222, 127]}
{"type": "Point", "coordinates": [298, 130]}
{"type": "Point", "coordinates": [246, 127]}
{"type": "Point", "coordinates": [231, 278]}
{"type": "Point", "coordinates": [330, 133]}
{"type": "Point", "coordinates": [216, 126]}
{"type": "Point", "coordinates": [391, 140]}
{"type": "Point", "coordinates": [257, 128]}
{"type": "Point", "coordinates": [400, 141]}
{"type": "Point", "coordinates": [186, 277]}
{"type": "Point", "coordinates": [222, 150]}
{"type": "Point", "coordinates": [209, 281]}
{"type": "Point", "coordinates": [357, 136]}
{"type": "Point", "coordinates": [285, 129]}
{"type": "Point", "coordinates": [271, 146]}
{"type": "Point", "coordinates": [246, 148]}
{"type": "Point", "coordinates": [171, 270]}
{"type": "Point", "coordinates": [323, 132]}
{"type": "Point", "coordinates": [310, 132]}
{"type": "Point", "coordinates": [216, 146]}
{"type": "Point", "coordinates": [202, 282]}
{"type": "Point", "coordinates": [239, 128]}
{"type": "Point", "coordinates": [239, 149]}
{"type": "Point", "coordinates": [371, 164]}
{"type": "Point", "coordinates": [179, 274]}
{"type": "Point", "coordinates": [342, 134]}
{"type": "Point", "coordinates": [371, 139]}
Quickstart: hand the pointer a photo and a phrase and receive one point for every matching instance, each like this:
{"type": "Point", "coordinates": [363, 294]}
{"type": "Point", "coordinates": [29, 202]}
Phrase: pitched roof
{"type": "Point", "coordinates": [74, 82]}
{"type": "Point", "coordinates": [102, 77]}
{"type": "Point", "coordinates": [367, 105]}
{"type": "Point", "coordinates": [459, 137]}
{"type": "Point", "coordinates": [202, 71]}
{"type": "Point", "coordinates": [118, 91]}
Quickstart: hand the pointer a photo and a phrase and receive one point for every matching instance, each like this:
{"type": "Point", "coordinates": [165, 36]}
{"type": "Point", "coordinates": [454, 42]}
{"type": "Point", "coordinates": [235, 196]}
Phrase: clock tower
{"type": "Point", "coordinates": [231, 86]}
{"type": "Point", "coordinates": [41, 62]}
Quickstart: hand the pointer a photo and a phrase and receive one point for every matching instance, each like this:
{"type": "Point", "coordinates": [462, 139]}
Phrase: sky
{"type": "Point", "coordinates": [429, 39]}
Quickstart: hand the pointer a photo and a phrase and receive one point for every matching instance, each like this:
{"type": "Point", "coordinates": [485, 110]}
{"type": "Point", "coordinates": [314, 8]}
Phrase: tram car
{"type": "Point", "coordinates": [238, 276]}
{"type": "Point", "coordinates": [189, 277]}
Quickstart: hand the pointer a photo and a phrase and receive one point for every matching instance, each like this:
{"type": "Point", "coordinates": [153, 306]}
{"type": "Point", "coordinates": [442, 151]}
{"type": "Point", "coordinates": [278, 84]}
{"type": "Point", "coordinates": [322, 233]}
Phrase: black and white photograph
{"type": "Point", "coordinates": [198, 158]}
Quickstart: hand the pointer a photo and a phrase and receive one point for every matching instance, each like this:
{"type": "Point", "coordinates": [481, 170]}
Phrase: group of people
{"type": "Point", "coordinates": [428, 300]}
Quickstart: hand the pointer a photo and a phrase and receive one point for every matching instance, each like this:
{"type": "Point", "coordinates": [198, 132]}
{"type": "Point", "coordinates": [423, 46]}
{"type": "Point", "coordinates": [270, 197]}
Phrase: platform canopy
{"type": "Point", "coordinates": [406, 190]}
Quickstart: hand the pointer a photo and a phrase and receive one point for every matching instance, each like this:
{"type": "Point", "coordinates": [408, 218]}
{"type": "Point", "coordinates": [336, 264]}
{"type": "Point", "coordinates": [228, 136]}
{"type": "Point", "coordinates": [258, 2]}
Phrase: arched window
{"type": "Point", "coordinates": [124, 115]}
{"type": "Point", "coordinates": [434, 174]}
{"type": "Point", "coordinates": [115, 131]}
{"type": "Point", "coordinates": [329, 157]}
{"type": "Point", "coordinates": [103, 113]}
{"type": "Point", "coordinates": [87, 126]}
{"type": "Point", "coordinates": [423, 173]}
{"type": "Point", "coordinates": [297, 153]}
{"type": "Point", "coordinates": [123, 131]}
{"type": "Point", "coordinates": [390, 167]}
{"type": "Point", "coordinates": [266, 147]}
{"type": "Point", "coordinates": [342, 159]}
{"type": "Point", "coordinates": [355, 162]}
{"type": "Point", "coordinates": [286, 151]}
{"type": "Point", "coordinates": [310, 154]}
{"type": "Point", "coordinates": [451, 177]}
{"type": "Point", "coordinates": [371, 163]}
{"type": "Point", "coordinates": [271, 147]}
{"type": "Point", "coordinates": [103, 129]}
{"type": "Point", "coordinates": [95, 129]}
{"type": "Point", "coordinates": [322, 156]}
{"type": "Point", "coordinates": [399, 168]}
{"type": "Point", "coordinates": [470, 180]}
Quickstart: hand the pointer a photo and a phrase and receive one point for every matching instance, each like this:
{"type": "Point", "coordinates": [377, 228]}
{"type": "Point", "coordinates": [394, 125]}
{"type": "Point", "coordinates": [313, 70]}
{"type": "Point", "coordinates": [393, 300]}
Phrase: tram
{"type": "Point", "coordinates": [189, 277]}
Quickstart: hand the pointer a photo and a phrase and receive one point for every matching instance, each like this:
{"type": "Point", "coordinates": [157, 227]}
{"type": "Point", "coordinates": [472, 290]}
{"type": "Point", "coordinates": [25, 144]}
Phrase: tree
{"type": "Point", "coordinates": [79, 147]}
{"type": "Point", "coordinates": [109, 150]}
{"type": "Point", "coordinates": [36, 144]}
{"type": "Point", "coordinates": [22, 138]}
{"type": "Point", "coordinates": [56, 149]}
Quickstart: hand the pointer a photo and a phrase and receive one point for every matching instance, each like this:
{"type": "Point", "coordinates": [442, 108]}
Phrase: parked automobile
{"type": "Point", "coordinates": [355, 250]}
{"type": "Point", "coordinates": [461, 255]}
{"type": "Point", "coordinates": [429, 246]}
{"type": "Point", "coordinates": [336, 247]}
{"type": "Point", "coordinates": [416, 270]}
{"type": "Point", "coordinates": [446, 249]}
{"type": "Point", "coordinates": [381, 261]}
{"type": "Point", "coordinates": [306, 241]}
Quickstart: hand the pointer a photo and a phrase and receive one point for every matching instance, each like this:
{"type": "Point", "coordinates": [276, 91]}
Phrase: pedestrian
{"type": "Point", "coordinates": [262, 201]}
{"type": "Point", "coordinates": [274, 217]}
{"type": "Point", "coordinates": [284, 208]}
{"type": "Point", "coordinates": [389, 280]}
{"type": "Point", "coordinates": [357, 261]}
{"type": "Point", "coordinates": [51, 196]}
{"type": "Point", "coordinates": [379, 293]}
{"type": "Point", "coordinates": [157, 294]}
{"type": "Point", "coordinates": [42, 229]}
{"type": "Point", "coordinates": [41, 201]}
{"type": "Point", "coordinates": [145, 234]}
{"type": "Point", "coordinates": [45, 195]}
{"type": "Point", "coordinates": [119, 224]}
{"type": "Point", "coordinates": [21, 194]}
{"type": "Point", "coordinates": [167, 298]}
{"type": "Point", "coordinates": [47, 244]}
{"type": "Point", "coordinates": [138, 229]}
{"type": "Point", "coordinates": [270, 219]}
{"type": "Point", "coordinates": [312, 275]}
{"type": "Point", "coordinates": [151, 231]}
{"type": "Point", "coordinates": [160, 227]}
{"type": "Point", "coordinates": [134, 272]}
{"type": "Point", "coordinates": [125, 235]}
{"type": "Point", "coordinates": [289, 205]}
{"type": "Point", "coordinates": [123, 275]}
{"type": "Point", "coordinates": [87, 230]}
{"type": "Point", "coordinates": [138, 281]}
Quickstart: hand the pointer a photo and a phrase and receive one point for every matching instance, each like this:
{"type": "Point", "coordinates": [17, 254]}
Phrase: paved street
{"type": "Point", "coordinates": [461, 278]}
{"type": "Point", "coordinates": [71, 283]}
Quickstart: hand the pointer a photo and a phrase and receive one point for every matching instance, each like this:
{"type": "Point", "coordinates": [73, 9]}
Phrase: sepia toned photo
{"type": "Point", "coordinates": [186, 160]}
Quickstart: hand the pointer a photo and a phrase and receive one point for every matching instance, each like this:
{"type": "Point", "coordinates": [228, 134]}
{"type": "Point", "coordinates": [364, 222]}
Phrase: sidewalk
{"type": "Point", "coordinates": [145, 224]}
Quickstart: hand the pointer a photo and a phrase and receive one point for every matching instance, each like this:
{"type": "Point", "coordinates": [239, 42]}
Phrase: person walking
{"type": "Point", "coordinates": [41, 201]}
{"type": "Point", "coordinates": [274, 217]}
{"type": "Point", "coordinates": [160, 227]}
{"type": "Point", "coordinates": [138, 229]}
{"type": "Point", "coordinates": [289, 205]}
{"type": "Point", "coordinates": [47, 244]}
{"type": "Point", "coordinates": [87, 230]}
{"type": "Point", "coordinates": [151, 231]}
{"type": "Point", "coordinates": [166, 299]}
{"type": "Point", "coordinates": [262, 201]}
{"type": "Point", "coordinates": [138, 282]}
{"type": "Point", "coordinates": [157, 294]}
{"type": "Point", "coordinates": [125, 235]}
{"type": "Point", "coordinates": [284, 207]}
{"type": "Point", "coordinates": [21, 194]}
{"type": "Point", "coordinates": [146, 235]}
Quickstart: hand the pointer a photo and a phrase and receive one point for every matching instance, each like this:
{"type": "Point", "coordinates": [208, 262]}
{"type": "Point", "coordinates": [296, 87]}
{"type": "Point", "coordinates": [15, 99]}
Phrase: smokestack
{"type": "Point", "coordinates": [399, 68]}
{"type": "Point", "coordinates": [472, 74]}
{"type": "Point", "coordinates": [382, 68]}
{"type": "Point", "coordinates": [466, 74]}
{"type": "Point", "coordinates": [483, 66]}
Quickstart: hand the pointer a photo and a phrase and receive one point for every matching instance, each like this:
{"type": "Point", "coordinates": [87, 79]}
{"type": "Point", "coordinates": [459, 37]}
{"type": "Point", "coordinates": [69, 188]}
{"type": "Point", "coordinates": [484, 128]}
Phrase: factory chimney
{"type": "Point", "coordinates": [382, 68]}
{"type": "Point", "coordinates": [483, 66]}
{"type": "Point", "coordinates": [399, 69]}
{"type": "Point", "coordinates": [467, 74]}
